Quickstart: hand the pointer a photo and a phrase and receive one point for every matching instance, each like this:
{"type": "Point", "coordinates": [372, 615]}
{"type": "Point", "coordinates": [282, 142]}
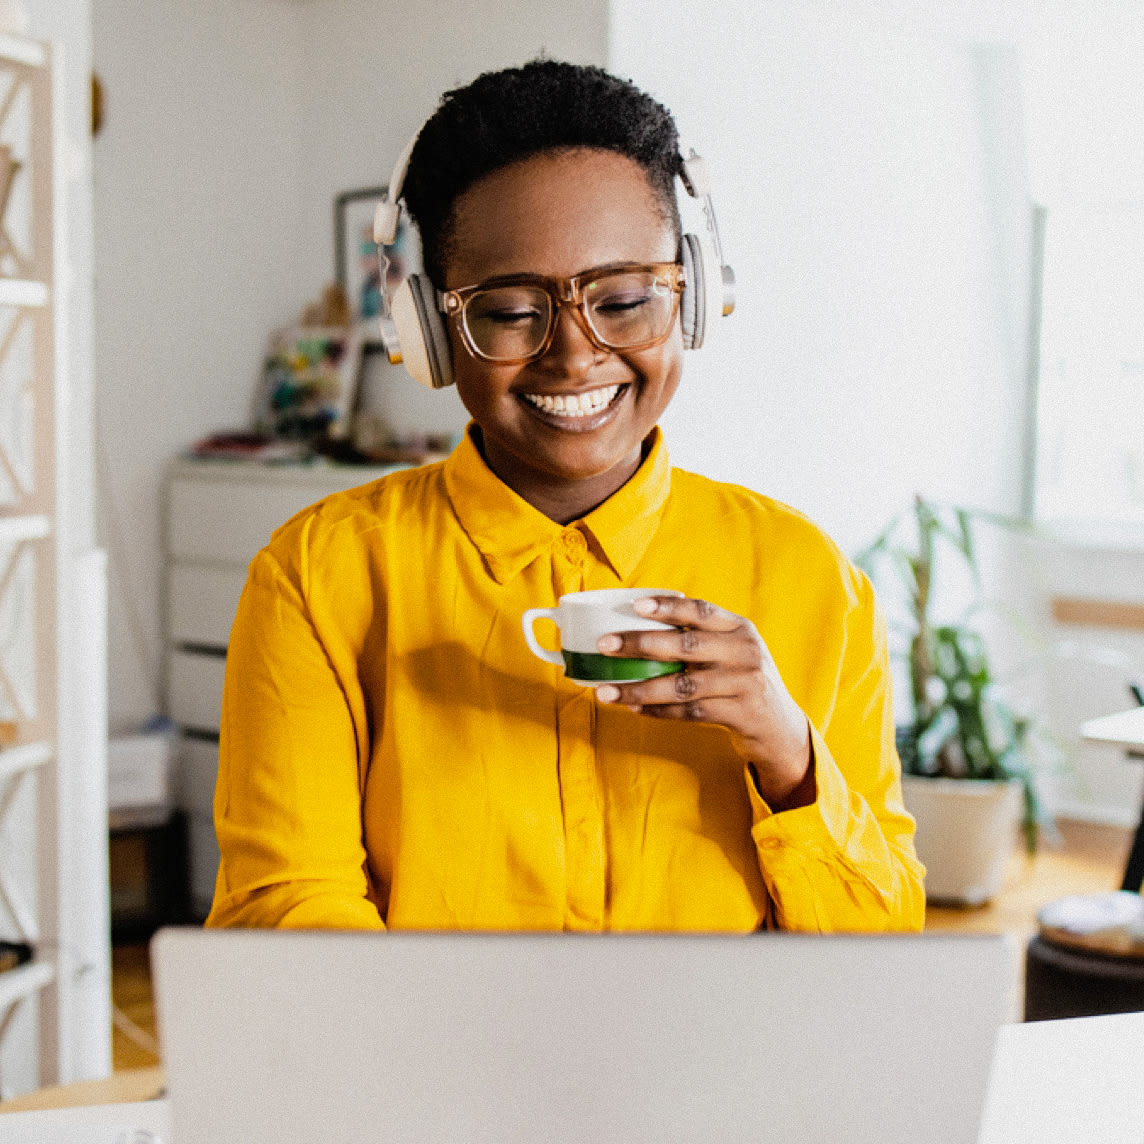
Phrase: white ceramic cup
{"type": "Point", "coordinates": [583, 617]}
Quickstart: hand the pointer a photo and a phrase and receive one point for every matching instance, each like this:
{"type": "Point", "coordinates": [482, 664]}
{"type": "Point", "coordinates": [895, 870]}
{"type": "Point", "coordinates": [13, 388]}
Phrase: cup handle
{"type": "Point", "coordinates": [528, 620]}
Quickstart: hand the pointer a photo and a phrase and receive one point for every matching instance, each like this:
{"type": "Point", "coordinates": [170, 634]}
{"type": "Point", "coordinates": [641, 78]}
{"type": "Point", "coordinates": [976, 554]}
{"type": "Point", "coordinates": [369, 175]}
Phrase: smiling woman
{"type": "Point", "coordinates": [393, 755]}
{"type": "Point", "coordinates": [564, 427]}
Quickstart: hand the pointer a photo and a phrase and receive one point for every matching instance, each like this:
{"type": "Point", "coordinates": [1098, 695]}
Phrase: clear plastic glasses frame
{"type": "Point", "coordinates": [586, 293]}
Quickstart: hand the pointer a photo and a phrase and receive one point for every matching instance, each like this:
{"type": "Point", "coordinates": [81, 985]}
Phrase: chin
{"type": "Point", "coordinates": [588, 465]}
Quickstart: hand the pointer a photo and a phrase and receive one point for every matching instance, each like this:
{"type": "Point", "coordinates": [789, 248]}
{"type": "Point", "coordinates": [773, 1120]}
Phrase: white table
{"type": "Point", "coordinates": [1125, 729]}
{"type": "Point", "coordinates": [1079, 1081]}
{"type": "Point", "coordinates": [93, 1124]}
{"type": "Point", "coordinates": [1053, 1082]}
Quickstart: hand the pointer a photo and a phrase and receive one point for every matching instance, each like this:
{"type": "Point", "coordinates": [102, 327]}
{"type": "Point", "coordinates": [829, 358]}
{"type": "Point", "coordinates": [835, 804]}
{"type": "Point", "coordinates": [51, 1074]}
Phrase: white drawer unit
{"type": "Point", "coordinates": [202, 600]}
{"type": "Point", "coordinates": [198, 771]}
{"type": "Point", "coordinates": [218, 514]}
{"type": "Point", "coordinates": [194, 683]}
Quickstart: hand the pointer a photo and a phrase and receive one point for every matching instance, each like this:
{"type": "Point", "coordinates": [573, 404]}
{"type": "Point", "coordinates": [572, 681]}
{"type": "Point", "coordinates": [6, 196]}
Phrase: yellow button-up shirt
{"type": "Point", "coordinates": [393, 755]}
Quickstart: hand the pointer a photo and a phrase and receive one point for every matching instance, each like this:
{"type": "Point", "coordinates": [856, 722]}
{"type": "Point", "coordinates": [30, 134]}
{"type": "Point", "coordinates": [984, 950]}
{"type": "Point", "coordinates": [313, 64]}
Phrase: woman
{"type": "Point", "coordinates": [391, 753]}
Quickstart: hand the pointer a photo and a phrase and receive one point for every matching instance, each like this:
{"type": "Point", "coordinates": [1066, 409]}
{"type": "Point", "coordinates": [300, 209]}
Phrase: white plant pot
{"type": "Point", "coordinates": [966, 832]}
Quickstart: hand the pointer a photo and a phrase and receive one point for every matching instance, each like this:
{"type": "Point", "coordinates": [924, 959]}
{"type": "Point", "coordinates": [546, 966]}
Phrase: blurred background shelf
{"type": "Point", "coordinates": [23, 981]}
{"type": "Point", "coordinates": [22, 292]}
{"type": "Point", "coordinates": [15, 529]}
{"type": "Point", "coordinates": [16, 760]}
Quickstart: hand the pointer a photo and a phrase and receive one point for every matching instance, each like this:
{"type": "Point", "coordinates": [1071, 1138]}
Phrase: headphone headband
{"type": "Point", "coordinates": [412, 328]}
{"type": "Point", "coordinates": [388, 212]}
{"type": "Point", "coordinates": [693, 173]}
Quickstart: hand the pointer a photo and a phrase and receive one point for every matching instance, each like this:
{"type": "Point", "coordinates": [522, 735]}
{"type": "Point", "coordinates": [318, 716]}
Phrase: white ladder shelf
{"type": "Point", "coordinates": [29, 667]}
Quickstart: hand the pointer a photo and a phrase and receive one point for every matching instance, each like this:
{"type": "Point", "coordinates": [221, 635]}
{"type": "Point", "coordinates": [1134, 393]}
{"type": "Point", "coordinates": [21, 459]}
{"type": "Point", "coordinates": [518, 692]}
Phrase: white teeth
{"type": "Point", "coordinates": [575, 404]}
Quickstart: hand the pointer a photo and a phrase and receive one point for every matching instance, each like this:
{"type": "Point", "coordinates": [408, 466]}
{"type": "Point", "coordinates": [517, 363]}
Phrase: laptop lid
{"type": "Point", "coordinates": [434, 1038]}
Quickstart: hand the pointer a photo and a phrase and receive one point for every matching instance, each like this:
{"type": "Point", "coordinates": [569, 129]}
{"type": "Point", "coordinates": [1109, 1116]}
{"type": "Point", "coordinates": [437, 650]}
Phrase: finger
{"type": "Point", "coordinates": [679, 687]}
{"type": "Point", "coordinates": [740, 649]}
{"type": "Point", "coordinates": [720, 710]}
{"type": "Point", "coordinates": [683, 611]}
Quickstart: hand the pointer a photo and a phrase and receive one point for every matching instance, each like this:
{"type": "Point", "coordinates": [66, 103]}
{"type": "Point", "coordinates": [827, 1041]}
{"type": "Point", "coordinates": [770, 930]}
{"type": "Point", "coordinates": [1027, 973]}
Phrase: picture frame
{"type": "Point", "coordinates": [355, 253]}
{"type": "Point", "coordinates": [309, 383]}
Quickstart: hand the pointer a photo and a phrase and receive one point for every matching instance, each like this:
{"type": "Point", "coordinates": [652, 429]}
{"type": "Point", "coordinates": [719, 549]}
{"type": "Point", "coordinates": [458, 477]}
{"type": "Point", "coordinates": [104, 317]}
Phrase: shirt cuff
{"type": "Point", "coordinates": [822, 825]}
{"type": "Point", "coordinates": [302, 905]}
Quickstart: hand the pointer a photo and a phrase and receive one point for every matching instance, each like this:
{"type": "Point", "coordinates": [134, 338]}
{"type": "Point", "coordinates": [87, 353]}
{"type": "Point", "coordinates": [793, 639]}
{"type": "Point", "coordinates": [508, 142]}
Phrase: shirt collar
{"type": "Point", "coordinates": [510, 533]}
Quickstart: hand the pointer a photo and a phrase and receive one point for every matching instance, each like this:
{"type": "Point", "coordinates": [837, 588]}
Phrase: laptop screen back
{"type": "Point", "coordinates": [306, 1037]}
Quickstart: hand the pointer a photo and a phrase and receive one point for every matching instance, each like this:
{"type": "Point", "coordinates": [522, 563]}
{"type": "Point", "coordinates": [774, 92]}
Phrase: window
{"type": "Point", "coordinates": [1090, 395]}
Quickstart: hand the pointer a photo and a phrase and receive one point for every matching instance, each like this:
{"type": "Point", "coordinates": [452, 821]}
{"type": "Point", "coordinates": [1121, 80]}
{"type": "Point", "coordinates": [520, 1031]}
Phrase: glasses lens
{"type": "Point", "coordinates": [507, 323]}
{"type": "Point", "coordinates": [629, 307]}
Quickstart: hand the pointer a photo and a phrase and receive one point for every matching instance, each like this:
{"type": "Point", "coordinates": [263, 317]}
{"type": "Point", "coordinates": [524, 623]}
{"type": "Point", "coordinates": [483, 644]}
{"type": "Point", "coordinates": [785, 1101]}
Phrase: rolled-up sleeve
{"type": "Point", "coordinates": [846, 862]}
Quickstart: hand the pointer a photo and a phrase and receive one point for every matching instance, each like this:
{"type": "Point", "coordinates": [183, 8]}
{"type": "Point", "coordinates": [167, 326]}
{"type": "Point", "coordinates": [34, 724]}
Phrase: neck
{"type": "Point", "coordinates": [559, 498]}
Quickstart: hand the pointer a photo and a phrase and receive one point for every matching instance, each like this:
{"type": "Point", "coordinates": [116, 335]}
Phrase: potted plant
{"type": "Point", "coordinates": [966, 759]}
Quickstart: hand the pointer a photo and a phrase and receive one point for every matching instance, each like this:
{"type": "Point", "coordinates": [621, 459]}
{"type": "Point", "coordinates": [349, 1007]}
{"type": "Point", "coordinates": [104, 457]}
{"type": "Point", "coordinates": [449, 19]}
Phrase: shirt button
{"type": "Point", "coordinates": [575, 546]}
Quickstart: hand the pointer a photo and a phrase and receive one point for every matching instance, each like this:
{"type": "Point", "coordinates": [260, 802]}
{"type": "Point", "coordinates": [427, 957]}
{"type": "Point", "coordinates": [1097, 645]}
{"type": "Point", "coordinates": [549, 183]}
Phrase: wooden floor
{"type": "Point", "coordinates": [1090, 860]}
{"type": "Point", "coordinates": [134, 1040]}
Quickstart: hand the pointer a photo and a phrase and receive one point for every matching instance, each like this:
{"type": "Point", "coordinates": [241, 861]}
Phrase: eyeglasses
{"type": "Point", "coordinates": [513, 320]}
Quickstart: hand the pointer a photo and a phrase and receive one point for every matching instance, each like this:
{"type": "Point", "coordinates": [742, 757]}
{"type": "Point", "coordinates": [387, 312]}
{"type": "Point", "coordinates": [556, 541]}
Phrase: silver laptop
{"type": "Point", "coordinates": [323, 1038]}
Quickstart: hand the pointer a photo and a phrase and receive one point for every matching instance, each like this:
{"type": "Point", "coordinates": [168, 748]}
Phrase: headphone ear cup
{"type": "Point", "coordinates": [421, 334]}
{"type": "Point", "coordinates": [693, 299]}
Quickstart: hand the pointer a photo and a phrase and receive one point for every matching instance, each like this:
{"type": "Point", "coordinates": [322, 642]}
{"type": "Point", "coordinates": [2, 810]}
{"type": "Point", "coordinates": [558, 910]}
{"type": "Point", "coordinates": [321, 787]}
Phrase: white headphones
{"type": "Point", "coordinates": [412, 325]}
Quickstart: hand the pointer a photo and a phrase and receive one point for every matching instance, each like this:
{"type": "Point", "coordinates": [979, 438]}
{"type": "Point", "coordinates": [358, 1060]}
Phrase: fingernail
{"type": "Point", "coordinates": [648, 606]}
{"type": "Point", "coordinates": [609, 643]}
{"type": "Point", "coordinates": [607, 693]}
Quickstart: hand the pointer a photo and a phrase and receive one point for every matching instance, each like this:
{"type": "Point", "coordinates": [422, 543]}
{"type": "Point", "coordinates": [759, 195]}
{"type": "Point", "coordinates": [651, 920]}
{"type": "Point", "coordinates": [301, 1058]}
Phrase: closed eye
{"type": "Point", "coordinates": [507, 317]}
{"type": "Point", "coordinates": [621, 303]}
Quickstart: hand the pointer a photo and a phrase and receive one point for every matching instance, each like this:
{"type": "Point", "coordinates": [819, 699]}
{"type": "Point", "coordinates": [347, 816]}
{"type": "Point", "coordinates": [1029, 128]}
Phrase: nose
{"type": "Point", "coordinates": [571, 352]}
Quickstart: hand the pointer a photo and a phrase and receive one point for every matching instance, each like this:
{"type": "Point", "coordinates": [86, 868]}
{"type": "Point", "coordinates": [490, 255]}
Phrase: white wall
{"type": "Point", "coordinates": [231, 127]}
{"type": "Point", "coordinates": [1084, 102]}
{"type": "Point", "coordinates": [378, 70]}
{"type": "Point", "coordinates": [868, 356]}
{"type": "Point", "coordinates": [198, 209]}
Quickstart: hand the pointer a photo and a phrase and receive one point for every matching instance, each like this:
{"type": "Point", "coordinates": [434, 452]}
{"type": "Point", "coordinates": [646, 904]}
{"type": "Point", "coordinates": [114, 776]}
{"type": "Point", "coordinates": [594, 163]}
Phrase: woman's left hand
{"type": "Point", "coordinates": [729, 678]}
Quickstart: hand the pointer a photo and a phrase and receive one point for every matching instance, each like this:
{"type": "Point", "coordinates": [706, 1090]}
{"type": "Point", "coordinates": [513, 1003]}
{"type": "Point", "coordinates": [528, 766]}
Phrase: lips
{"type": "Point", "coordinates": [574, 406]}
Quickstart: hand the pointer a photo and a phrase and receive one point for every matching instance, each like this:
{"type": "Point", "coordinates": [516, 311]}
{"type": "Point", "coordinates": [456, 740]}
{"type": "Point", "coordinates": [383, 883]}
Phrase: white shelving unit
{"type": "Point", "coordinates": [52, 823]}
{"type": "Point", "coordinates": [19, 983]}
{"type": "Point", "coordinates": [33, 526]}
{"type": "Point", "coordinates": [27, 556]}
{"type": "Point", "coordinates": [18, 50]}
{"type": "Point", "coordinates": [22, 292]}
{"type": "Point", "coordinates": [16, 760]}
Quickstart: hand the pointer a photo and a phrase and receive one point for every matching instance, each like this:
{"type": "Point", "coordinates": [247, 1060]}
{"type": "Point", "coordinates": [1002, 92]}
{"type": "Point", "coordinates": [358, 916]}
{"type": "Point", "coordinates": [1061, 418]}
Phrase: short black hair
{"type": "Point", "coordinates": [505, 116]}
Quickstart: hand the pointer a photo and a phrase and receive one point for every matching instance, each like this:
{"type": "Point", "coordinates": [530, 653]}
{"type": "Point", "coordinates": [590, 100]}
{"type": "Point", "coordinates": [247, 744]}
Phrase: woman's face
{"type": "Point", "coordinates": [558, 215]}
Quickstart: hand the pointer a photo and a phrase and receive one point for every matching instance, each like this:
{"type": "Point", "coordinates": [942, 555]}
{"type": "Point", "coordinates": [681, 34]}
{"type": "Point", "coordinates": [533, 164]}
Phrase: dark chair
{"type": "Point", "coordinates": [1088, 958]}
{"type": "Point", "coordinates": [1072, 982]}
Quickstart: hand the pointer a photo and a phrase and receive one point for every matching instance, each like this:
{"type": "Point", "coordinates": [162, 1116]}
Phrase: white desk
{"type": "Point", "coordinates": [1068, 1082]}
{"type": "Point", "coordinates": [1053, 1082]}
{"type": "Point", "coordinates": [94, 1124]}
{"type": "Point", "coordinates": [1125, 729]}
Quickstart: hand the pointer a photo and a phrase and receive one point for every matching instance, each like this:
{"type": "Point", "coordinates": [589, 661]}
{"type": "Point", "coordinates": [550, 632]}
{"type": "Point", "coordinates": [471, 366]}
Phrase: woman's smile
{"type": "Point", "coordinates": [579, 411]}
